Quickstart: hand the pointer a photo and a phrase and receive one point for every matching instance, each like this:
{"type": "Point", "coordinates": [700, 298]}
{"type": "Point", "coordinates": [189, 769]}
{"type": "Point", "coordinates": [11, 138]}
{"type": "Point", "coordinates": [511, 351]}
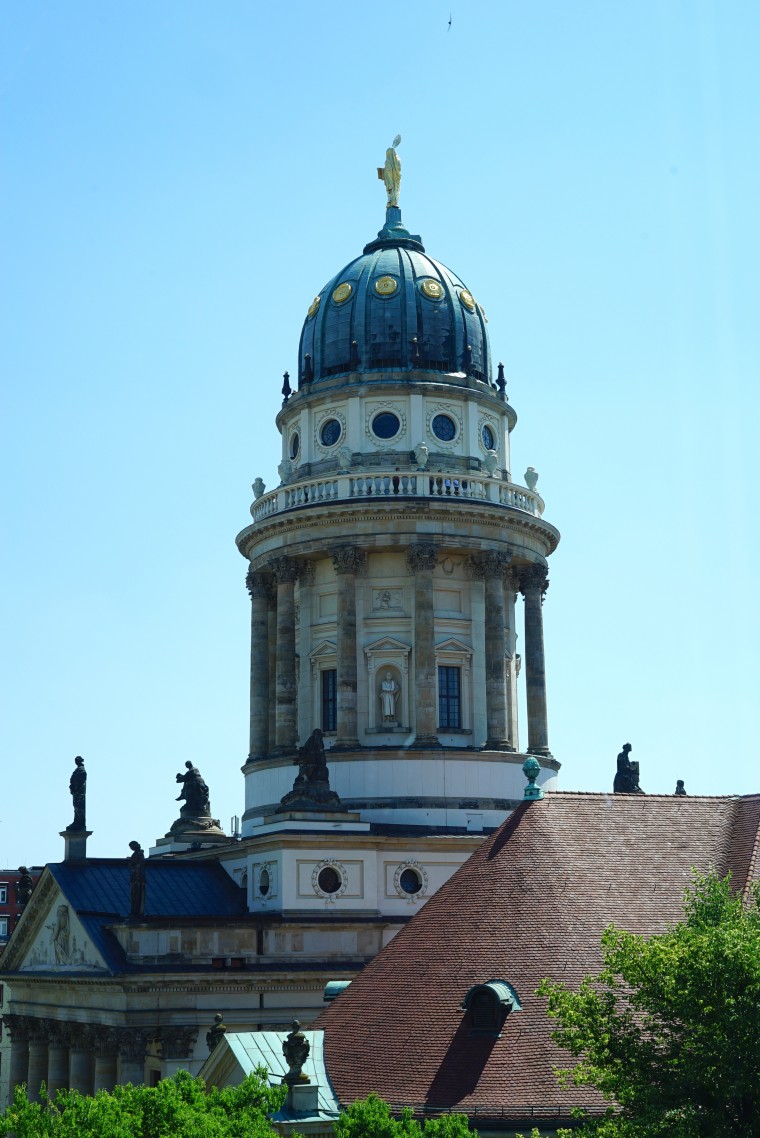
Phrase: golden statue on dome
{"type": "Point", "coordinates": [390, 173]}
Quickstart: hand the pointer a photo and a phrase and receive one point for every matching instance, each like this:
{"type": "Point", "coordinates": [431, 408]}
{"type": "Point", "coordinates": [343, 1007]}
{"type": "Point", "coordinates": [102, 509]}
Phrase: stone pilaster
{"type": "Point", "coordinates": [510, 597]}
{"type": "Point", "coordinates": [18, 1029]}
{"type": "Point", "coordinates": [533, 585]}
{"type": "Point", "coordinates": [421, 560]}
{"type": "Point", "coordinates": [493, 565]}
{"type": "Point", "coordinates": [259, 586]}
{"type": "Point", "coordinates": [348, 563]}
{"type": "Point", "coordinates": [272, 649]}
{"type": "Point", "coordinates": [106, 1060]}
{"type": "Point", "coordinates": [285, 571]}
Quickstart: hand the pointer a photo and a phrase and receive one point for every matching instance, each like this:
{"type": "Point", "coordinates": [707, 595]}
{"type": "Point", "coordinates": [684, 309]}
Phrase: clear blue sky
{"type": "Point", "coordinates": [178, 181]}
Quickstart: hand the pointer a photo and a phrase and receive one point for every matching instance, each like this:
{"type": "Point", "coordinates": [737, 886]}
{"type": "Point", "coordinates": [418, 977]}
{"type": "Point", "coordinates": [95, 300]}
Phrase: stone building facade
{"type": "Point", "coordinates": [397, 574]}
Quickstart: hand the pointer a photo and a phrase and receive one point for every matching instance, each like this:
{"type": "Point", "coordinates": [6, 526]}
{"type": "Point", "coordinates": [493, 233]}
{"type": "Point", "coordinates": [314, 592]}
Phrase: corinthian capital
{"type": "Point", "coordinates": [490, 563]}
{"type": "Point", "coordinates": [258, 584]}
{"type": "Point", "coordinates": [178, 1042]}
{"type": "Point", "coordinates": [284, 569]}
{"type": "Point", "coordinates": [533, 578]}
{"type": "Point", "coordinates": [347, 559]}
{"type": "Point", "coordinates": [422, 556]}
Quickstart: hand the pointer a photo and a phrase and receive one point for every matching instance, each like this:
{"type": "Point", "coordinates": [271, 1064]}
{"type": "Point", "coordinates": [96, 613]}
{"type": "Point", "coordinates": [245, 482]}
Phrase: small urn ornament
{"type": "Point", "coordinates": [421, 454]}
{"type": "Point", "coordinates": [490, 462]}
{"type": "Point", "coordinates": [531, 770]}
{"type": "Point", "coordinates": [296, 1049]}
{"type": "Point", "coordinates": [344, 459]}
{"type": "Point", "coordinates": [285, 469]}
{"type": "Point", "coordinates": [531, 478]}
{"type": "Point", "coordinates": [258, 486]}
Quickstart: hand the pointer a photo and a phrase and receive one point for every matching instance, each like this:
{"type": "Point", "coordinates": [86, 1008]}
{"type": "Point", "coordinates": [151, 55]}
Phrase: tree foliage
{"type": "Point", "coordinates": [371, 1118]}
{"type": "Point", "coordinates": [670, 1029]}
{"type": "Point", "coordinates": [178, 1107]}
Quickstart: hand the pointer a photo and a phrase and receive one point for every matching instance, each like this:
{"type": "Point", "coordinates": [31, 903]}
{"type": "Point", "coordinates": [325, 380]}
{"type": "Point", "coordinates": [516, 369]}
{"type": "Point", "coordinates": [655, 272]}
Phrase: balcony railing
{"type": "Point", "coordinates": [422, 484]}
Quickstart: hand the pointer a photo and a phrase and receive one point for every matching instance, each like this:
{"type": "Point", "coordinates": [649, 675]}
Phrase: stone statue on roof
{"type": "Point", "coordinates": [194, 793]}
{"type": "Point", "coordinates": [390, 173]}
{"type": "Point", "coordinates": [195, 823]}
{"type": "Point", "coordinates": [627, 775]}
{"type": "Point", "coordinates": [295, 1048]}
{"type": "Point", "coordinates": [136, 863]}
{"type": "Point", "coordinates": [216, 1033]}
{"type": "Point", "coordinates": [78, 791]}
{"type": "Point", "coordinates": [680, 789]}
{"type": "Point", "coordinates": [311, 789]}
{"type": "Point", "coordinates": [24, 887]}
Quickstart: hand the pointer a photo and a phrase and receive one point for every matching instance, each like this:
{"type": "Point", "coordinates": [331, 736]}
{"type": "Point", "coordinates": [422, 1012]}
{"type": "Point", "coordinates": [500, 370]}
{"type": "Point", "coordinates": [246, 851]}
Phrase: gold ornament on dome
{"type": "Point", "coordinates": [390, 173]}
{"type": "Point", "coordinates": [314, 306]}
{"type": "Point", "coordinates": [386, 286]}
{"type": "Point", "coordinates": [432, 289]}
{"type": "Point", "coordinates": [342, 292]}
{"type": "Point", "coordinates": [467, 300]}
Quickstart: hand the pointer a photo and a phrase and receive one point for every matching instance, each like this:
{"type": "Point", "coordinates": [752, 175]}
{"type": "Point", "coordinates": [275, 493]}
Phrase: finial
{"type": "Point", "coordinates": [308, 370]}
{"type": "Point", "coordinates": [467, 359]}
{"type": "Point", "coordinates": [531, 769]}
{"type": "Point", "coordinates": [286, 388]}
{"type": "Point", "coordinates": [354, 357]}
{"type": "Point", "coordinates": [501, 382]}
{"type": "Point", "coordinates": [390, 173]}
{"type": "Point", "coordinates": [415, 352]}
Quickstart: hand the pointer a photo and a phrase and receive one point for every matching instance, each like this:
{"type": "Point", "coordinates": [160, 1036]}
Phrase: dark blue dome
{"type": "Point", "coordinates": [394, 309]}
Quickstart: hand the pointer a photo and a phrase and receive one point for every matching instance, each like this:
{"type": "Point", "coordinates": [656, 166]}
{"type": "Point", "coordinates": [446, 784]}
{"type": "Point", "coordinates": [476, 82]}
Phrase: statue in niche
{"type": "Point", "coordinates": [311, 789]}
{"type": "Point", "coordinates": [78, 791]}
{"type": "Point", "coordinates": [215, 1034]}
{"type": "Point", "coordinates": [389, 693]}
{"type": "Point", "coordinates": [194, 793]}
{"type": "Point", "coordinates": [136, 863]}
{"type": "Point", "coordinates": [295, 1048]}
{"type": "Point", "coordinates": [627, 776]}
{"type": "Point", "coordinates": [24, 887]}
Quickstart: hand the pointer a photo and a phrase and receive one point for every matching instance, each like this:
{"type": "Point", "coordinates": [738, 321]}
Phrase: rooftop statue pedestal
{"type": "Point", "coordinates": [75, 844]}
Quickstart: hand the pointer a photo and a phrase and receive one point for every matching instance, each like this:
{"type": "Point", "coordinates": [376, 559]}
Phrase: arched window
{"type": "Point", "coordinates": [488, 1005]}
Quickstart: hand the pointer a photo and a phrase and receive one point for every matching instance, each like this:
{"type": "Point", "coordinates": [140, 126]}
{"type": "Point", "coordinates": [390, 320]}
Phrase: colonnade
{"type": "Point", "coordinates": [86, 1057]}
{"type": "Point", "coordinates": [274, 724]}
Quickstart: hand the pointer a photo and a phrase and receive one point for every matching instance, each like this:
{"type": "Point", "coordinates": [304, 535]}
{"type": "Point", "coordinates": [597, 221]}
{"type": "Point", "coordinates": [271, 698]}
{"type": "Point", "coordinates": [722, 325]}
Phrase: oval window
{"type": "Point", "coordinates": [264, 882]}
{"type": "Point", "coordinates": [330, 432]}
{"type": "Point", "coordinates": [329, 880]}
{"type": "Point", "coordinates": [444, 428]}
{"type": "Point", "coordinates": [295, 445]}
{"type": "Point", "coordinates": [487, 435]}
{"type": "Point", "coordinates": [410, 881]}
{"type": "Point", "coordinates": [386, 425]}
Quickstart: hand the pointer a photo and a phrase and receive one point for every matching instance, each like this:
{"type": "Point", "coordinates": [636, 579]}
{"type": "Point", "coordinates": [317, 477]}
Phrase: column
{"type": "Point", "coordinates": [348, 562]}
{"type": "Point", "coordinates": [307, 715]}
{"type": "Point", "coordinates": [81, 1060]}
{"type": "Point", "coordinates": [259, 587]}
{"type": "Point", "coordinates": [38, 1060]}
{"type": "Point", "coordinates": [177, 1046]}
{"type": "Point", "coordinates": [285, 571]}
{"type": "Point", "coordinates": [106, 1059]}
{"type": "Point", "coordinates": [132, 1043]}
{"type": "Point", "coordinates": [58, 1059]}
{"type": "Point", "coordinates": [19, 1061]}
{"type": "Point", "coordinates": [510, 596]}
{"type": "Point", "coordinates": [493, 566]}
{"type": "Point", "coordinates": [272, 674]}
{"type": "Point", "coordinates": [533, 585]}
{"type": "Point", "coordinates": [421, 560]}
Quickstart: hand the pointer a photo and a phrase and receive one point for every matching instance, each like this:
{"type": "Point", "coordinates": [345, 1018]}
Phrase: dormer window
{"type": "Point", "coordinates": [488, 1005]}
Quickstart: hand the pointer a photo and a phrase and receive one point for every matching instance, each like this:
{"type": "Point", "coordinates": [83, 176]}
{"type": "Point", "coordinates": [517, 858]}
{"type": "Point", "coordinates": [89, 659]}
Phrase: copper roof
{"type": "Point", "coordinates": [531, 902]}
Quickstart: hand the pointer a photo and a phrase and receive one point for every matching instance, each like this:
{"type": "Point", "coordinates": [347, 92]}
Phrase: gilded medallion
{"type": "Point", "coordinates": [314, 306]}
{"type": "Point", "coordinates": [432, 289]}
{"type": "Point", "coordinates": [386, 286]}
{"type": "Point", "coordinates": [342, 292]}
{"type": "Point", "coordinates": [467, 300]}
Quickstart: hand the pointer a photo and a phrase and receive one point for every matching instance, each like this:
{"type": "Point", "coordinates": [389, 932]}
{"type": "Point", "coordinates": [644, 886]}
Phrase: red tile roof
{"type": "Point", "coordinates": [531, 902]}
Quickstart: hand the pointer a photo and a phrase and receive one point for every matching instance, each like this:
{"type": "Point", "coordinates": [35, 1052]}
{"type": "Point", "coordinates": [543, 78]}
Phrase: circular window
{"type": "Point", "coordinates": [431, 289]}
{"type": "Point", "coordinates": [342, 292]}
{"type": "Point", "coordinates": [487, 435]}
{"type": "Point", "coordinates": [264, 883]}
{"type": "Point", "coordinates": [444, 428]}
{"type": "Point", "coordinates": [329, 880]}
{"type": "Point", "coordinates": [386, 425]}
{"type": "Point", "coordinates": [386, 286]}
{"type": "Point", "coordinates": [410, 881]}
{"type": "Point", "coordinates": [330, 432]}
{"type": "Point", "coordinates": [295, 445]}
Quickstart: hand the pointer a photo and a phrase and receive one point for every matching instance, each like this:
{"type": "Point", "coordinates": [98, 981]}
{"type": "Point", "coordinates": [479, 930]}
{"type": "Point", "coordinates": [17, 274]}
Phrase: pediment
{"type": "Point", "coordinates": [50, 936]}
{"type": "Point", "coordinates": [324, 648]}
{"type": "Point", "coordinates": [387, 644]}
{"type": "Point", "coordinates": [454, 645]}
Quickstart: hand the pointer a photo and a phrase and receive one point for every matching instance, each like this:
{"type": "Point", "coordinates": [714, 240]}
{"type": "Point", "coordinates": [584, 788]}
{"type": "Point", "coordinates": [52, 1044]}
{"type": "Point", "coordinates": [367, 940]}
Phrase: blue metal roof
{"type": "Point", "coordinates": [172, 888]}
{"type": "Point", "coordinates": [394, 308]}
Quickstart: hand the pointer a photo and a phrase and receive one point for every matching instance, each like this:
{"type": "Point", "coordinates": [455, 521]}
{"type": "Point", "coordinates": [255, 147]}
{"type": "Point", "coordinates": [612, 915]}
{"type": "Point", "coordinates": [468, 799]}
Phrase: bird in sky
{"type": "Point", "coordinates": [448, 29]}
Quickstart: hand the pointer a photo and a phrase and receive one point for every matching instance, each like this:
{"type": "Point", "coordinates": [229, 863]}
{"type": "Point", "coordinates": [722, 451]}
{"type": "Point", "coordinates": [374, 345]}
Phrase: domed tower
{"type": "Point", "coordinates": [386, 566]}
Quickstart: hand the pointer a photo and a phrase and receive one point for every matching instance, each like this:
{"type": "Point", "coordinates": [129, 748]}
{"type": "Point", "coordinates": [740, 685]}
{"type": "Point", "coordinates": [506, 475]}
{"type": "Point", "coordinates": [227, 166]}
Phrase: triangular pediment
{"type": "Point", "coordinates": [50, 937]}
{"type": "Point", "coordinates": [324, 648]}
{"type": "Point", "coordinates": [387, 644]}
{"type": "Point", "coordinates": [454, 645]}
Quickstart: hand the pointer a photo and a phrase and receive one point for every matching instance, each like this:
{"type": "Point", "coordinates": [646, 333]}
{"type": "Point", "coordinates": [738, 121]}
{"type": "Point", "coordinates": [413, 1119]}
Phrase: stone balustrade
{"type": "Point", "coordinates": [385, 484]}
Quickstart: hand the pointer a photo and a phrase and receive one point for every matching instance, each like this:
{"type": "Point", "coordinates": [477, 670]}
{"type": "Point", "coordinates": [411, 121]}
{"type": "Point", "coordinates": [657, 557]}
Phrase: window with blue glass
{"type": "Point", "coordinates": [330, 700]}
{"type": "Point", "coordinates": [449, 697]}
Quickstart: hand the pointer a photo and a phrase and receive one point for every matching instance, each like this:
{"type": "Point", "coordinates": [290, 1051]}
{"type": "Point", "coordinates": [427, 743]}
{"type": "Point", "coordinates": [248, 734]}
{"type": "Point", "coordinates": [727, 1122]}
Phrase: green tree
{"type": "Point", "coordinates": [669, 1031]}
{"type": "Point", "coordinates": [371, 1118]}
{"type": "Point", "coordinates": [179, 1107]}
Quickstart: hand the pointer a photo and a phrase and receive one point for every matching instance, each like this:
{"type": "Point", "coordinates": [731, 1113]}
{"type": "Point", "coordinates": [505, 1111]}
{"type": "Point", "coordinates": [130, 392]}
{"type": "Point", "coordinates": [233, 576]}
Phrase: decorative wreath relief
{"type": "Point", "coordinates": [329, 880]}
{"type": "Point", "coordinates": [265, 881]}
{"type": "Point", "coordinates": [410, 881]}
{"type": "Point", "coordinates": [330, 429]}
{"type": "Point", "coordinates": [385, 423]}
{"type": "Point", "coordinates": [444, 425]}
